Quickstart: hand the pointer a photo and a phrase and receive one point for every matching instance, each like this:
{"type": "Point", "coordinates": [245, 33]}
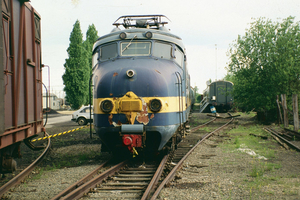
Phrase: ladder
{"type": "Point", "coordinates": [203, 104]}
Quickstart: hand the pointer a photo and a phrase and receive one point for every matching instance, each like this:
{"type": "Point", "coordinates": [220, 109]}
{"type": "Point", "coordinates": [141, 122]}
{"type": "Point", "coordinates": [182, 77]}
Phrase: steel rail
{"type": "Point", "coordinates": [155, 178]}
{"type": "Point", "coordinates": [65, 194]}
{"type": "Point", "coordinates": [179, 164]}
{"type": "Point", "coordinates": [80, 182]}
{"type": "Point", "coordinates": [202, 125]}
{"type": "Point", "coordinates": [276, 134]}
{"type": "Point", "coordinates": [295, 133]}
{"type": "Point", "coordinates": [81, 190]}
{"type": "Point", "coordinates": [21, 176]}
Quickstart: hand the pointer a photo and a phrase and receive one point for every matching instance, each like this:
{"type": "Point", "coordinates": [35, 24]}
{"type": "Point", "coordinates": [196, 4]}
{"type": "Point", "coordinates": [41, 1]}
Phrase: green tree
{"type": "Point", "coordinates": [198, 98]}
{"type": "Point", "coordinates": [91, 38]}
{"type": "Point", "coordinates": [230, 77]}
{"type": "Point", "coordinates": [197, 95]}
{"type": "Point", "coordinates": [196, 89]}
{"type": "Point", "coordinates": [76, 76]}
{"type": "Point", "coordinates": [265, 63]}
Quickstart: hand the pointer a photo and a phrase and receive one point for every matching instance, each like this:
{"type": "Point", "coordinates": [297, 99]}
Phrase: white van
{"type": "Point", "coordinates": [82, 116]}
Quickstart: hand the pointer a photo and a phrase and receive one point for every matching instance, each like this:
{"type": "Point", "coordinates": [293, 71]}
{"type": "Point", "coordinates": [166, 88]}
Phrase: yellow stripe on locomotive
{"type": "Point", "coordinates": [132, 103]}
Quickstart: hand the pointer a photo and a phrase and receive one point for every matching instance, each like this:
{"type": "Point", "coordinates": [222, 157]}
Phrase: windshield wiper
{"type": "Point", "coordinates": [128, 44]}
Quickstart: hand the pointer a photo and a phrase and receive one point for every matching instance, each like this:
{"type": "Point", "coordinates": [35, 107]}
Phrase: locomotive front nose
{"type": "Point", "coordinates": [130, 105]}
{"type": "Point", "coordinates": [134, 108]}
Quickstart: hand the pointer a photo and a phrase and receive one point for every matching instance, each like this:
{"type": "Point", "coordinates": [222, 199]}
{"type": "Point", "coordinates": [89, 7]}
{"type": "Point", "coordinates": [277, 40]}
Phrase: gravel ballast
{"type": "Point", "coordinates": [225, 175]}
{"type": "Point", "coordinates": [49, 183]}
{"type": "Point", "coordinates": [213, 171]}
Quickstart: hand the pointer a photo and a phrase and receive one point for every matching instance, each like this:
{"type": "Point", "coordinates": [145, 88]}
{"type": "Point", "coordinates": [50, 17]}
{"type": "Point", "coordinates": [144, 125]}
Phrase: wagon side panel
{"type": "Point", "coordinates": [7, 76]}
{"type": "Point", "coordinates": [21, 102]}
{"type": "Point", "coordinates": [221, 92]}
{"type": "Point", "coordinates": [2, 118]}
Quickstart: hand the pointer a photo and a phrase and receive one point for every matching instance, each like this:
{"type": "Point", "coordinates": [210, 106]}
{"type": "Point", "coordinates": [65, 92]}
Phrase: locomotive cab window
{"type": "Point", "coordinates": [178, 56]}
{"type": "Point", "coordinates": [108, 52]}
{"type": "Point", "coordinates": [135, 48]}
{"type": "Point", "coordinates": [162, 50]}
{"type": "Point", "coordinates": [95, 59]}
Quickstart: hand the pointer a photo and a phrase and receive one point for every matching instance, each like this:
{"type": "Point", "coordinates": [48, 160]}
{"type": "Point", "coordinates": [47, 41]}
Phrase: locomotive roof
{"type": "Point", "coordinates": [135, 28]}
{"type": "Point", "coordinates": [220, 81]}
{"type": "Point", "coordinates": [214, 82]}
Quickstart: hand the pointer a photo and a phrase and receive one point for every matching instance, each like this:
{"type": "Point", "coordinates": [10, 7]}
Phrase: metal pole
{"type": "Point", "coordinates": [216, 62]}
{"type": "Point", "coordinates": [90, 95]}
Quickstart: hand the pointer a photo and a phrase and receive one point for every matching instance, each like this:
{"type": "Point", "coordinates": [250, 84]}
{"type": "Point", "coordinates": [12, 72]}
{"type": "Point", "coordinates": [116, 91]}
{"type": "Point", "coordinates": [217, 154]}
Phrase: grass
{"type": "Point", "coordinates": [72, 149]}
{"type": "Point", "coordinates": [206, 129]}
{"type": "Point", "coordinates": [291, 127]}
{"type": "Point", "coordinates": [242, 138]}
{"type": "Point", "coordinates": [290, 192]}
{"type": "Point", "coordinates": [237, 142]}
{"type": "Point", "coordinates": [269, 153]}
{"type": "Point", "coordinates": [51, 168]}
{"type": "Point", "coordinates": [260, 173]}
{"type": "Point", "coordinates": [260, 168]}
{"type": "Point", "coordinates": [248, 115]}
{"type": "Point", "coordinates": [76, 159]}
{"type": "Point", "coordinates": [198, 121]}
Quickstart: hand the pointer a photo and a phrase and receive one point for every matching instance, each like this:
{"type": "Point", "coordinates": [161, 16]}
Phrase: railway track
{"type": "Point", "coordinates": [285, 138]}
{"type": "Point", "coordinates": [133, 179]}
{"type": "Point", "coordinates": [188, 148]}
{"type": "Point", "coordinates": [23, 174]}
{"type": "Point", "coordinates": [130, 178]}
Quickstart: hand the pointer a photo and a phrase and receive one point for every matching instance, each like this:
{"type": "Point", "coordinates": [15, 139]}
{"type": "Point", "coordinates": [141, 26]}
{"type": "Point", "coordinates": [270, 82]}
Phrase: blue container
{"type": "Point", "coordinates": [213, 109]}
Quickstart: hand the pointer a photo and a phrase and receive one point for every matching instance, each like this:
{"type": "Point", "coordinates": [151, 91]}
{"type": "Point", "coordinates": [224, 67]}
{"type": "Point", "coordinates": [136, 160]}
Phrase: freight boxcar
{"type": "Point", "coordinates": [21, 112]}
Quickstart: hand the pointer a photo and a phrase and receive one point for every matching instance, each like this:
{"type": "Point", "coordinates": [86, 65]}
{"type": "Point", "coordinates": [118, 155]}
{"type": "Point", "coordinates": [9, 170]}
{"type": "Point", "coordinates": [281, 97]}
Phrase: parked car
{"type": "Point", "coordinates": [82, 116]}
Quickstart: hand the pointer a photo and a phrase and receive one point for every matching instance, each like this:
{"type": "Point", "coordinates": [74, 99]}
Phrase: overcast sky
{"type": "Point", "coordinates": [207, 28]}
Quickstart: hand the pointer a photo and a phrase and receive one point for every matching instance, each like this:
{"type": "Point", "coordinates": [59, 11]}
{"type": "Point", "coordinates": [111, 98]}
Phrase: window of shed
{"type": "Point", "coordinates": [135, 48]}
{"type": "Point", "coordinates": [108, 52]}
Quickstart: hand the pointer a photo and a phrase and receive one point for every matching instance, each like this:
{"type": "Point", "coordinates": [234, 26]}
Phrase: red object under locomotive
{"type": "Point", "coordinates": [21, 110]}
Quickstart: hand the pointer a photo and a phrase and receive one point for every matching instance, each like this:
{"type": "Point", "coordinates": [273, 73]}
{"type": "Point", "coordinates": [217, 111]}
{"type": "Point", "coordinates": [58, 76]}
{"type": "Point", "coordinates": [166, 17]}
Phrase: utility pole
{"type": "Point", "coordinates": [216, 61]}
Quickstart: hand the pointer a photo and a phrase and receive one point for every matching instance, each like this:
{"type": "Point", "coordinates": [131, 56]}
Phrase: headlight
{"type": "Point", "coordinates": [106, 106]}
{"type": "Point", "coordinates": [155, 105]}
{"type": "Point", "coordinates": [122, 35]}
{"type": "Point", "coordinates": [148, 35]}
{"type": "Point", "coordinates": [130, 73]}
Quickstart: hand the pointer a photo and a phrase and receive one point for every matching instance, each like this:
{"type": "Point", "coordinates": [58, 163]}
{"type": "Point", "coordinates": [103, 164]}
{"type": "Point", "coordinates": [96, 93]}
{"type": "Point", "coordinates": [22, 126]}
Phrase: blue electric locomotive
{"type": "Point", "coordinates": [141, 86]}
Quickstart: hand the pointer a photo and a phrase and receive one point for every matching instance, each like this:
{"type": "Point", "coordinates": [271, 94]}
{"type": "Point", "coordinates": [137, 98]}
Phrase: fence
{"type": "Point", "coordinates": [286, 111]}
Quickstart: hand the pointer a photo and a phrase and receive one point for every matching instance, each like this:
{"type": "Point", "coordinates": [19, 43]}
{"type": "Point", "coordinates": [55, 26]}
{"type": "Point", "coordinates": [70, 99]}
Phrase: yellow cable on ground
{"type": "Point", "coordinates": [58, 134]}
